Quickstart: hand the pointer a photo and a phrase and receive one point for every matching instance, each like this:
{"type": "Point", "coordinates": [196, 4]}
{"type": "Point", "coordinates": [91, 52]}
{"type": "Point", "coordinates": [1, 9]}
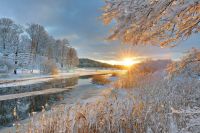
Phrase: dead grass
{"type": "Point", "coordinates": [116, 74]}
{"type": "Point", "coordinates": [49, 67]}
{"type": "Point", "coordinates": [100, 79]}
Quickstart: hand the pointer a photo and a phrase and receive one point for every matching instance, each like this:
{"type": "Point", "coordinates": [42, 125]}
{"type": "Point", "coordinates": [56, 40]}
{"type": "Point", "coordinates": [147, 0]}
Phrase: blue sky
{"type": "Point", "coordinates": [78, 20]}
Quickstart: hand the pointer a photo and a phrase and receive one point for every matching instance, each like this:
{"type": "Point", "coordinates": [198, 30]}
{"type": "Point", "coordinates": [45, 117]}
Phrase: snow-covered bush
{"type": "Point", "coordinates": [150, 66]}
{"type": "Point", "coordinates": [188, 66]}
{"type": "Point", "coordinates": [5, 66]}
{"type": "Point", "coordinates": [49, 67]}
{"type": "Point", "coordinates": [100, 79]}
{"type": "Point", "coordinates": [136, 76]}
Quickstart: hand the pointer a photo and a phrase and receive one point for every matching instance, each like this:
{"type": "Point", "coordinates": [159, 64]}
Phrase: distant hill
{"type": "Point", "coordinates": [84, 62]}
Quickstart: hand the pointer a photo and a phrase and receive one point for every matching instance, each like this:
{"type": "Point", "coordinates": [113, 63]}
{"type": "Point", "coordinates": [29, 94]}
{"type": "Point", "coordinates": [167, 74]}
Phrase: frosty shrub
{"type": "Point", "coordinates": [115, 74]}
{"type": "Point", "coordinates": [5, 66]}
{"type": "Point", "coordinates": [167, 105]}
{"type": "Point", "coordinates": [188, 66]}
{"type": "Point", "coordinates": [48, 66]}
{"type": "Point", "coordinates": [138, 74]}
{"type": "Point", "coordinates": [100, 79]}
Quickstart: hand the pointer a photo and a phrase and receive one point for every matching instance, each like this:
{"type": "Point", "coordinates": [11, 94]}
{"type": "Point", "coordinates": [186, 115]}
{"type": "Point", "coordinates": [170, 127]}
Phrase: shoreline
{"type": "Point", "coordinates": [39, 79]}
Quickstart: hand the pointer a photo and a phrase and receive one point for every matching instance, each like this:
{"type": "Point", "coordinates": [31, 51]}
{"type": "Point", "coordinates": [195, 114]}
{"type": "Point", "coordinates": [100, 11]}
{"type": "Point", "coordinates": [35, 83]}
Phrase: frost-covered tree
{"type": "Point", "coordinates": [6, 26]}
{"type": "Point", "coordinates": [24, 52]}
{"type": "Point", "coordinates": [50, 50]}
{"type": "Point", "coordinates": [38, 36]}
{"type": "Point", "coordinates": [35, 49]}
{"type": "Point", "coordinates": [9, 39]}
{"type": "Point", "coordinates": [9, 34]}
{"type": "Point", "coordinates": [60, 54]}
{"type": "Point", "coordinates": [64, 50]}
{"type": "Point", "coordinates": [67, 55]}
{"type": "Point", "coordinates": [188, 66]}
{"type": "Point", "coordinates": [16, 44]}
{"type": "Point", "coordinates": [72, 58]}
{"type": "Point", "coordinates": [154, 22]}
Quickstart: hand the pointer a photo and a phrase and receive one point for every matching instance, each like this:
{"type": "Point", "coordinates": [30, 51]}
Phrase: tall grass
{"type": "Point", "coordinates": [100, 79]}
{"type": "Point", "coordinates": [104, 115]}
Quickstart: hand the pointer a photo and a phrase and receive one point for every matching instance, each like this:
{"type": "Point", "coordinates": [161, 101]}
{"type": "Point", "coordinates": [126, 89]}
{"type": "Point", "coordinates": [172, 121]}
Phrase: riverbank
{"type": "Point", "coordinates": [24, 80]}
{"type": "Point", "coordinates": [29, 95]}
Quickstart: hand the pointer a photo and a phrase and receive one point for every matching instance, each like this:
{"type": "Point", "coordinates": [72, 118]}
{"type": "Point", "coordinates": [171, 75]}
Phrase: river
{"type": "Point", "coordinates": [73, 90]}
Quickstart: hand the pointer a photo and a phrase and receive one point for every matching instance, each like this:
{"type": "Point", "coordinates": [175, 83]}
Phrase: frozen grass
{"type": "Point", "coordinates": [108, 114]}
{"type": "Point", "coordinates": [100, 79]}
{"type": "Point", "coordinates": [149, 103]}
{"type": "Point", "coordinates": [116, 74]}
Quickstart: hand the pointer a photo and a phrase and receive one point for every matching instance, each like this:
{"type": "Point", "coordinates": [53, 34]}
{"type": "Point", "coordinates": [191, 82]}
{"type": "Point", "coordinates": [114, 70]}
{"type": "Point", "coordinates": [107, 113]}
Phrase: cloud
{"type": "Point", "coordinates": [78, 20]}
{"type": "Point", "coordinates": [71, 37]}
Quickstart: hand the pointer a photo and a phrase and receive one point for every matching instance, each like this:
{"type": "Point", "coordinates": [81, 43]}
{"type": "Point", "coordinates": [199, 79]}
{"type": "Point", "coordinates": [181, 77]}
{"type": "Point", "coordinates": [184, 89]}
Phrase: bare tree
{"type": "Point", "coordinates": [152, 22]}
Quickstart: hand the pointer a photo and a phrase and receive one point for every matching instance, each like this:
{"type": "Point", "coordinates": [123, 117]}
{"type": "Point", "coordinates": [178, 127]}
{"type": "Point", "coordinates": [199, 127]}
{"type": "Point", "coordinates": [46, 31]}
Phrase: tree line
{"type": "Point", "coordinates": [31, 47]}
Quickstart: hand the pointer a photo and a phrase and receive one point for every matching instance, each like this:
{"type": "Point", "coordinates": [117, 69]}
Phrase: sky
{"type": "Point", "coordinates": [79, 21]}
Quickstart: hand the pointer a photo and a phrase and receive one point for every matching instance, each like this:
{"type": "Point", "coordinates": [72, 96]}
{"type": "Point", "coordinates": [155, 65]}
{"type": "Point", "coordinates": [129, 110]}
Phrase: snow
{"type": "Point", "coordinates": [20, 81]}
{"type": "Point", "coordinates": [117, 105]}
{"type": "Point", "coordinates": [34, 93]}
{"type": "Point", "coordinates": [140, 21]}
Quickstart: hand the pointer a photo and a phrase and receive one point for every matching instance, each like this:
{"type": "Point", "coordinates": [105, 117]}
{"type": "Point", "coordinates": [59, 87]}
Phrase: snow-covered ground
{"type": "Point", "coordinates": [155, 105]}
{"type": "Point", "coordinates": [34, 93]}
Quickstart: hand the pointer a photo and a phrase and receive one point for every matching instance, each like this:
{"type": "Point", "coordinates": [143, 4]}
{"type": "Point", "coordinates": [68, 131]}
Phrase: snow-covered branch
{"type": "Point", "coordinates": [154, 22]}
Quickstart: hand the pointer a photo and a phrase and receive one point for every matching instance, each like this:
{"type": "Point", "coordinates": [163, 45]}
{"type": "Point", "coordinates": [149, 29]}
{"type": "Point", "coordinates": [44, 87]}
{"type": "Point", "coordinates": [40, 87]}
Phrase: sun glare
{"type": "Point", "coordinates": [128, 62]}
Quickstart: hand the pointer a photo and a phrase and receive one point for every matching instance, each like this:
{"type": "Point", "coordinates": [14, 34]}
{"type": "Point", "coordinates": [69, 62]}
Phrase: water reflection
{"type": "Point", "coordinates": [26, 105]}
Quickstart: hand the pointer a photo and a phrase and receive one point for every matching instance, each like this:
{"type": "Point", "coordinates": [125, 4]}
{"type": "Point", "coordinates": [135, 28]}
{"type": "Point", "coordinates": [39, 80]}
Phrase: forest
{"type": "Point", "coordinates": [31, 48]}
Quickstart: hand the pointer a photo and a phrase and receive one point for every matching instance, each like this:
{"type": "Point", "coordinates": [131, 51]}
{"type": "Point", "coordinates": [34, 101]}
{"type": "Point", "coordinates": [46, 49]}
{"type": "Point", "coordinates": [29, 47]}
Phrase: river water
{"type": "Point", "coordinates": [20, 108]}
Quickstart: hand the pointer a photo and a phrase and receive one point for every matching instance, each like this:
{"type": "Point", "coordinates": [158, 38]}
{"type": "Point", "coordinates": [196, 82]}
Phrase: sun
{"type": "Point", "coordinates": [127, 62]}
